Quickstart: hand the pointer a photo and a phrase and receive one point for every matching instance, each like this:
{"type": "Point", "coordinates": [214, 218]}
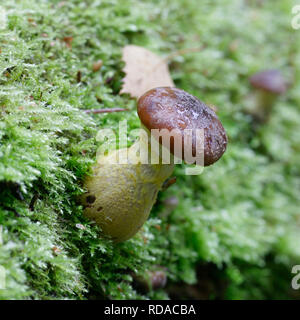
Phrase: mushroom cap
{"type": "Point", "coordinates": [171, 108]}
{"type": "Point", "coordinates": [270, 81]}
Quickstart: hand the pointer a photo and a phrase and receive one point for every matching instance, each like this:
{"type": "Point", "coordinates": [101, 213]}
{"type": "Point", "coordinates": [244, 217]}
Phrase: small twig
{"type": "Point", "coordinates": [108, 110]}
{"type": "Point", "coordinates": [182, 52]}
{"type": "Point", "coordinates": [78, 76]}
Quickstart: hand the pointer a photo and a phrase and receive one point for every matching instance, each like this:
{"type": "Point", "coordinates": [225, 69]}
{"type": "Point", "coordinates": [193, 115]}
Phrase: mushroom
{"type": "Point", "coordinates": [119, 196]}
{"type": "Point", "coordinates": [174, 109]}
{"type": "Point", "coordinates": [150, 280]}
{"type": "Point", "coordinates": [268, 84]}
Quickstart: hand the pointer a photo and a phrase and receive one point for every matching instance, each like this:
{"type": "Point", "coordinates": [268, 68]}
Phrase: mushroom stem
{"type": "Point", "coordinates": [120, 196]}
{"type": "Point", "coordinates": [262, 105]}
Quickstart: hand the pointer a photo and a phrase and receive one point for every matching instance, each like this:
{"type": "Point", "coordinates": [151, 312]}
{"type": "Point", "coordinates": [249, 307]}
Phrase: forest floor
{"type": "Point", "coordinates": [233, 231]}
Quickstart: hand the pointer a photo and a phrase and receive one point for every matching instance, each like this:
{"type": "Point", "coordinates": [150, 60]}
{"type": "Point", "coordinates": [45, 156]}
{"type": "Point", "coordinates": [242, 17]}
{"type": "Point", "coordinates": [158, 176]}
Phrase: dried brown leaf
{"type": "Point", "coordinates": [144, 71]}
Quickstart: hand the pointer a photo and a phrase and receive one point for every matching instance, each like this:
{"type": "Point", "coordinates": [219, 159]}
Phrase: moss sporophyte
{"type": "Point", "coordinates": [120, 195]}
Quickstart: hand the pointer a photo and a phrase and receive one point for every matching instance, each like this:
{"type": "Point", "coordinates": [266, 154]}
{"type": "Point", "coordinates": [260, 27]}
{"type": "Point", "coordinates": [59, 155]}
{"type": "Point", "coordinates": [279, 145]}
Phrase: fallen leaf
{"type": "Point", "coordinates": [97, 65]}
{"type": "Point", "coordinates": [144, 71]}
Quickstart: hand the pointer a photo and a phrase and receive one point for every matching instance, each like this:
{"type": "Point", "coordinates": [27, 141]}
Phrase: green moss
{"type": "Point", "coordinates": [241, 214]}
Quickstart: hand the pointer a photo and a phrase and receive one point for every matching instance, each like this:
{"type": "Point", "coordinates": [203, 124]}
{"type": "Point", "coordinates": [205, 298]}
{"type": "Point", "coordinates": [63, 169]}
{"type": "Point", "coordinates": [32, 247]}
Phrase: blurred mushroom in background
{"type": "Point", "coordinates": [268, 85]}
{"type": "Point", "coordinates": [151, 280]}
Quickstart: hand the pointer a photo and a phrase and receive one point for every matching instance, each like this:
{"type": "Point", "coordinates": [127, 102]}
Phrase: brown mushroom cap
{"type": "Point", "coordinates": [172, 108]}
{"type": "Point", "coordinates": [269, 80]}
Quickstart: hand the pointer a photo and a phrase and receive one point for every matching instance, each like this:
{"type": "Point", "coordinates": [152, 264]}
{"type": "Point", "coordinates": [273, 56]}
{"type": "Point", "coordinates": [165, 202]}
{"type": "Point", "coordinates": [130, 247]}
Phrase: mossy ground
{"type": "Point", "coordinates": [235, 233]}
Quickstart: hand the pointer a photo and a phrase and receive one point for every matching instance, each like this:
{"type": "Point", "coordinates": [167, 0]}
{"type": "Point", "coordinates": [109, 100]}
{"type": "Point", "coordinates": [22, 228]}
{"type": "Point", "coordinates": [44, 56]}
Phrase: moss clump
{"type": "Point", "coordinates": [239, 215]}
